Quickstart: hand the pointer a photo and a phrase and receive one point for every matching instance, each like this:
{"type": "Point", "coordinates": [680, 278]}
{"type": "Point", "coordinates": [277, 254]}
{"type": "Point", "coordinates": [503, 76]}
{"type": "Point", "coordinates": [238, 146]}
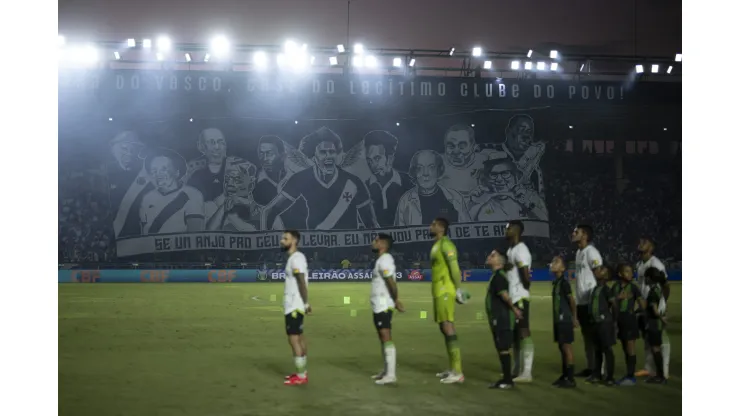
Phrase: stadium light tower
{"type": "Point", "coordinates": [290, 46]}
{"type": "Point", "coordinates": [477, 51]}
{"type": "Point", "coordinates": [164, 44]}
{"type": "Point", "coordinates": [280, 59]}
{"type": "Point", "coordinates": [220, 46]}
{"type": "Point", "coordinates": [260, 60]}
{"type": "Point", "coordinates": [359, 49]}
{"type": "Point", "coordinates": [397, 62]}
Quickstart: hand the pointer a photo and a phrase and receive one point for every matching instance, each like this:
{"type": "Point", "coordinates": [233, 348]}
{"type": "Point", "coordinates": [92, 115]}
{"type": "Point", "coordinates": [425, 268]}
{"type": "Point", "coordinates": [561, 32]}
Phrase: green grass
{"type": "Point", "coordinates": [221, 349]}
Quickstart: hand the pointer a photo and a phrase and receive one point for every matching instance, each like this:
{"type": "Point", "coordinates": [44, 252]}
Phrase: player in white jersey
{"type": "Point", "coordinates": [517, 273]}
{"type": "Point", "coordinates": [589, 265]}
{"type": "Point", "coordinates": [646, 247]}
{"type": "Point", "coordinates": [295, 302]}
{"type": "Point", "coordinates": [383, 299]}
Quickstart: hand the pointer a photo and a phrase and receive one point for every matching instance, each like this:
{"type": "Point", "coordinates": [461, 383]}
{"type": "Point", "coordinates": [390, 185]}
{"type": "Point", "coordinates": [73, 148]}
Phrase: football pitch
{"type": "Point", "coordinates": [221, 349]}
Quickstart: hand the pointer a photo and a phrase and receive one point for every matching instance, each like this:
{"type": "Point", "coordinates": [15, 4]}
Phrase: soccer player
{"type": "Point", "coordinates": [627, 294]}
{"type": "Point", "coordinates": [517, 274]}
{"type": "Point", "coordinates": [646, 247]}
{"type": "Point", "coordinates": [565, 320]}
{"type": "Point", "coordinates": [295, 302]}
{"type": "Point", "coordinates": [600, 307]}
{"type": "Point", "coordinates": [655, 321]}
{"type": "Point", "coordinates": [588, 262]}
{"type": "Point", "coordinates": [446, 291]}
{"type": "Point", "coordinates": [384, 298]}
{"type": "Point", "coordinates": [501, 314]}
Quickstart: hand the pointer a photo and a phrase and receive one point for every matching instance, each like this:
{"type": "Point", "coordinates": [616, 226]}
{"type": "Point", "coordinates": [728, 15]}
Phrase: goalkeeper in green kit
{"type": "Point", "coordinates": [446, 291]}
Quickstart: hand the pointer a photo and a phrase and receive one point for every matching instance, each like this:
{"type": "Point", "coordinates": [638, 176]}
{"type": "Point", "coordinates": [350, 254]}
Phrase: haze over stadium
{"type": "Point", "coordinates": [374, 146]}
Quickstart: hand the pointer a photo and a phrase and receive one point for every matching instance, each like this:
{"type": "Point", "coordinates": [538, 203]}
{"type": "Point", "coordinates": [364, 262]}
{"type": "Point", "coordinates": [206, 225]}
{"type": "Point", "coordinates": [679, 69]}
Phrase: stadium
{"type": "Point", "coordinates": [182, 164]}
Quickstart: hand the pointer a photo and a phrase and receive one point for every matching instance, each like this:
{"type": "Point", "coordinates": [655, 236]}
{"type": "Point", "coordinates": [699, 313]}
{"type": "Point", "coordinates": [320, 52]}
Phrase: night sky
{"type": "Point", "coordinates": [576, 26]}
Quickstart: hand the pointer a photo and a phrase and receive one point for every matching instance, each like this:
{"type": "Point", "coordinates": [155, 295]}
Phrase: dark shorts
{"type": "Point", "coordinates": [642, 324]}
{"type": "Point", "coordinates": [523, 323]}
{"type": "Point", "coordinates": [294, 323]}
{"type": "Point", "coordinates": [628, 328]}
{"type": "Point", "coordinates": [603, 334]}
{"type": "Point", "coordinates": [382, 320]}
{"type": "Point", "coordinates": [654, 332]}
{"type": "Point", "coordinates": [584, 318]}
{"type": "Point", "coordinates": [654, 338]}
{"type": "Point", "coordinates": [563, 333]}
{"type": "Point", "coordinates": [503, 338]}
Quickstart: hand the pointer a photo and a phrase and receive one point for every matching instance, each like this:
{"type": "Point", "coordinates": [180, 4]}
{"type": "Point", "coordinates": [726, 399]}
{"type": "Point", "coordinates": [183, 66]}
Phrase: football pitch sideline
{"type": "Point", "coordinates": [221, 349]}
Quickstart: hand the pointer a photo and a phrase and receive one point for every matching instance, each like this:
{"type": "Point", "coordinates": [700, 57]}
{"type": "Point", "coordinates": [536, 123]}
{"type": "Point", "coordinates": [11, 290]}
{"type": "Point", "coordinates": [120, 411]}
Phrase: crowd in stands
{"type": "Point", "coordinates": [84, 217]}
{"type": "Point", "coordinates": [646, 202]}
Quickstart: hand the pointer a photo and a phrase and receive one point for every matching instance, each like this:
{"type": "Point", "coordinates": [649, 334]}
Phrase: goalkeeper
{"type": "Point", "coordinates": [446, 291]}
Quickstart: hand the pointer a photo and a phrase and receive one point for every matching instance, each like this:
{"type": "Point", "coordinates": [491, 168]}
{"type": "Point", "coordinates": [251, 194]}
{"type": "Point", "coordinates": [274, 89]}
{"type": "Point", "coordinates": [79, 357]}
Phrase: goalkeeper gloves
{"type": "Point", "coordinates": [462, 296]}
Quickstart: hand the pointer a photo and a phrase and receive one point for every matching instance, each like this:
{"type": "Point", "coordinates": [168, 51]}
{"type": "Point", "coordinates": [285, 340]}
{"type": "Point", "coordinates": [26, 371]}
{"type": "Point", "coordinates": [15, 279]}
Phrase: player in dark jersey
{"type": "Point", "coordinates": [564, 321]}
{"type": "Point", "coordinates": [334, 197]}
{"type": "Point", "coordinates": [600, 307]}
{"type": "Point", "coordinates": [501, 316]}
{"type": "Point", "coordinates": [656, 321]}
{"type": "Point", "coordinates": [627, 296]}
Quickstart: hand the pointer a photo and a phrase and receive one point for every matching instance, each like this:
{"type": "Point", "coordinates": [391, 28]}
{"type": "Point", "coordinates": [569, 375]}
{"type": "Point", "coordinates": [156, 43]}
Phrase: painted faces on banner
{"type": "Point", "coordinates": [271, 154]}
{"type": "Point", "coordinates": [379, 160]}
{"type": "Point", "coordinates": [501, 176]}
{"type": "Point", "coordinates": [164, 173]}
{"type": "Point", "coordinates": [125, 148]}
{"type": "Point", "coordinates": [459, 145]}
{"type": "Point", "coordinates": [212, 144]}
{"type": "Point", "coordinates": [427, 167]}
{"type": "Point", "coordinates": [520, 134]}
{"type": "Point", "coordinates": [326, 157]}
{"type": "Point", "coordinates": [240, 179]}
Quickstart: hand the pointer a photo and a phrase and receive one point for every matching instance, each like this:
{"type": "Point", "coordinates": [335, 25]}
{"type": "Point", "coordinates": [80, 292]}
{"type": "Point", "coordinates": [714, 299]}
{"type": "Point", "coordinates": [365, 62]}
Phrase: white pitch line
{"type": "Point", "coordinates": [256, 298]}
